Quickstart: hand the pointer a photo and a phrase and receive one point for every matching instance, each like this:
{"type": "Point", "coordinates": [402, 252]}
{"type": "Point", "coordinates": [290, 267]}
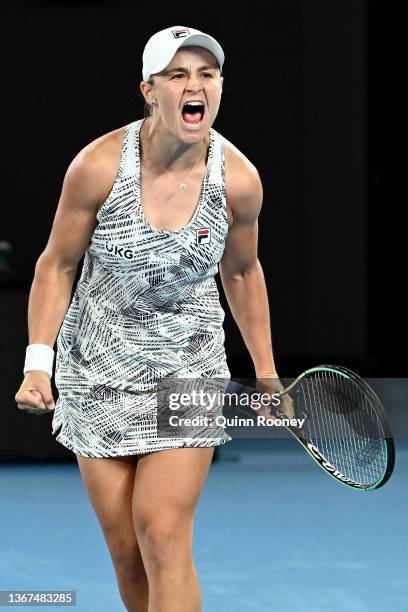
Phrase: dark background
{"type": "Point", "coordinates": [302, 100]}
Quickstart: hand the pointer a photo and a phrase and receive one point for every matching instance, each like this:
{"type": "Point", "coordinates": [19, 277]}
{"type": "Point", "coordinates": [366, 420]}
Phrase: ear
{"type": "Point", "coordinates": [145, 88]}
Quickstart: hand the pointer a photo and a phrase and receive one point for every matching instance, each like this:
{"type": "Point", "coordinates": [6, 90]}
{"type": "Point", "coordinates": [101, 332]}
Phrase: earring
{"type": "Point", "coordinates": [154, 101]}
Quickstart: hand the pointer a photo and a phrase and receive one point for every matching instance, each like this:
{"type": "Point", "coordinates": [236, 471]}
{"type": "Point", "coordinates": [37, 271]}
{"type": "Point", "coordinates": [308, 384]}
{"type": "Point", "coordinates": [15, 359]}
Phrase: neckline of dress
{"type": "Point", "coordinates": [203, 190]}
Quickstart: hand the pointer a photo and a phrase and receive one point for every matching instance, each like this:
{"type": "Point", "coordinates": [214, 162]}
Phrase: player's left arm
{"type": "Point", "coordinates": [240, 269]}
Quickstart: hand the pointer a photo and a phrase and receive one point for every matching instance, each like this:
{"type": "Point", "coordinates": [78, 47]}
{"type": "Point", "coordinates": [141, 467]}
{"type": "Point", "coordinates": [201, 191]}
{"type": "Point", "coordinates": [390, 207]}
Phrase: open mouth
{"type": "Point", "coordinates": [193, 112]}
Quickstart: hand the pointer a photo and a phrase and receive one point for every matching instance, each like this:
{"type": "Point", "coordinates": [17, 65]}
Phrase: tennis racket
{"type": "Point", "coordinates": [345, 429]}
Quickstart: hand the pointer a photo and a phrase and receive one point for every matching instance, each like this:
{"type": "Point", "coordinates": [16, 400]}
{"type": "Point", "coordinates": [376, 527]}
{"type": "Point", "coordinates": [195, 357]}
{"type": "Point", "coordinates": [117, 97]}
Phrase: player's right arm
{"type": "Point", "coordinates": [84, 189]}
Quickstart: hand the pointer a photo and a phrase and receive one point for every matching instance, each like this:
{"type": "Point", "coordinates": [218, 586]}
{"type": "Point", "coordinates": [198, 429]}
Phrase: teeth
{"type": "Point", "coordinates": [195, 103]}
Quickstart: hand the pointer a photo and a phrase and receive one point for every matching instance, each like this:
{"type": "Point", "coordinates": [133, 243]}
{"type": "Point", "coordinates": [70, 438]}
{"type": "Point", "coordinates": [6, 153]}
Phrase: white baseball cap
{"type": "Point", "coordinates": [162, 46]}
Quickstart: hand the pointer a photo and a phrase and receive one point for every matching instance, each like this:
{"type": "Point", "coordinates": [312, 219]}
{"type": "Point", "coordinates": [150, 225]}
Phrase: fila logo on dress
{"type": "Point", "coordinates": [180, 33]}
{"type": "Point", "coordinates": [203, 236]}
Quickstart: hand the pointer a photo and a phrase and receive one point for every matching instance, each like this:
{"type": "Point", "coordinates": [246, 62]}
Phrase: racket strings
{"type": "Point", "coordinates": [343, 424]}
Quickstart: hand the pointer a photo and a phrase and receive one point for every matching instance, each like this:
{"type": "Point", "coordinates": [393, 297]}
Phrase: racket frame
{"type": "Point", "coordinates": [315, 453]}
{"type": "Point", "coordinates": [387, 440]}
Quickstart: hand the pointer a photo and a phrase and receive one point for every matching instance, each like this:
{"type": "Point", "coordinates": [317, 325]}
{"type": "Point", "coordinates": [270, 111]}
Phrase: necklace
{"type": "Point", "coordinates": [182, 186]}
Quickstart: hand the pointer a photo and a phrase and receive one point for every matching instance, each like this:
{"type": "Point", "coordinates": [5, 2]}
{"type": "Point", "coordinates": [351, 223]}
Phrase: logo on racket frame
{"type": "Point", "coordinates": [330, 468]}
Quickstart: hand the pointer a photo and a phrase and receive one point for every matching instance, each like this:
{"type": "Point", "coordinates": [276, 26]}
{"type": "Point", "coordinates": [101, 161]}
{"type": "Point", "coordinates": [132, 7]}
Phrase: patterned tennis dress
{"type": "Point", "coordinates": [146, 306]}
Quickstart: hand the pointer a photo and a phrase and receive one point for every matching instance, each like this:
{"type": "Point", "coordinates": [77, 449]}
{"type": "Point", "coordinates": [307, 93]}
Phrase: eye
{"type": "Point", "coordinates": [179, 74]}
{"type": "Point", "coordinates": [207, 74]}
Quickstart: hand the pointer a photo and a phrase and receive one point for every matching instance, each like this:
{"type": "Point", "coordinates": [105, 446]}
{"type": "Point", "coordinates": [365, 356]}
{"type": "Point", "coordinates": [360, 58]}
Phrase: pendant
{"type": "Point", "coordinates": [182, 185]}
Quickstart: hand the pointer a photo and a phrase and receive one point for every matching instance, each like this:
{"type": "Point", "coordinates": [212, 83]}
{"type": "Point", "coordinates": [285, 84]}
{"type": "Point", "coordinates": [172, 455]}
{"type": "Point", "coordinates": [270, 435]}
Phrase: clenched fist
{"type": "Point", "coordinates": [35, 394]}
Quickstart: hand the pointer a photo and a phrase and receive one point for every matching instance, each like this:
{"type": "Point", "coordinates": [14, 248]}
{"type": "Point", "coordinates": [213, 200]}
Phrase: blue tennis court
{"type": "Point", "coordinates": [272, 532]}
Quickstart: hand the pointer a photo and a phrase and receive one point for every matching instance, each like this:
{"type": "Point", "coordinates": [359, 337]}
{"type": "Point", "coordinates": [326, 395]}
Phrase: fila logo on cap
{"type": "Point", "coordinates": [203, 235]}
{"type": "Point", "coordinates": [180, 33]}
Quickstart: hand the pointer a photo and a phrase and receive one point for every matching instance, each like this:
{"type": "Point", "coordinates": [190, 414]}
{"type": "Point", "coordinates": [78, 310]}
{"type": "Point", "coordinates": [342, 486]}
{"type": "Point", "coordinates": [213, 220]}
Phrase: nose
{"type": "Point", "coordinates": [193, 86]}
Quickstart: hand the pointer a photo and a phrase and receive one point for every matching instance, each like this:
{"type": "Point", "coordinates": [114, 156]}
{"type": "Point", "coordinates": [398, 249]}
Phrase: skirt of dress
{"type": "Point", "coordinates": [98, 420]}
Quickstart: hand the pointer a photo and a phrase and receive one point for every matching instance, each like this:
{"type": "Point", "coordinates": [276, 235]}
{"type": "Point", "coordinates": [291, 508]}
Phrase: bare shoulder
{"type": "Point", "coordinates": [95, 167]}
{"type": "Point", "coordinates": [243, 185]}
{"type": "Point", "coordinates": [87, 182]}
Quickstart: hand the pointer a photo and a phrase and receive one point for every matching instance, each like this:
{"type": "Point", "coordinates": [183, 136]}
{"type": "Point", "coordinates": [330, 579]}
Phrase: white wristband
{"type": "Point", "coordinates": [39, 357]}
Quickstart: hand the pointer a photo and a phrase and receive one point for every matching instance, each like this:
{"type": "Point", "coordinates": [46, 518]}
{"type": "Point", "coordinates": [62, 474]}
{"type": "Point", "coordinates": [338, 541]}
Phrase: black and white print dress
{"type": "Point", "coordinates": [146, 306]}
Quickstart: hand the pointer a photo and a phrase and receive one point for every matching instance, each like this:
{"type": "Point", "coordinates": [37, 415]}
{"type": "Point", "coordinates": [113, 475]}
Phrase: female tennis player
{"type": "Point", "coordinates": [154, 207]}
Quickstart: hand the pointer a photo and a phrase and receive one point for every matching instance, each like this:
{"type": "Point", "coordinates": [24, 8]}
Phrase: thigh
{"type": "Point", "coordinates": [168, 484]}
{"type": "Point", "coordinates": [109, 484]}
